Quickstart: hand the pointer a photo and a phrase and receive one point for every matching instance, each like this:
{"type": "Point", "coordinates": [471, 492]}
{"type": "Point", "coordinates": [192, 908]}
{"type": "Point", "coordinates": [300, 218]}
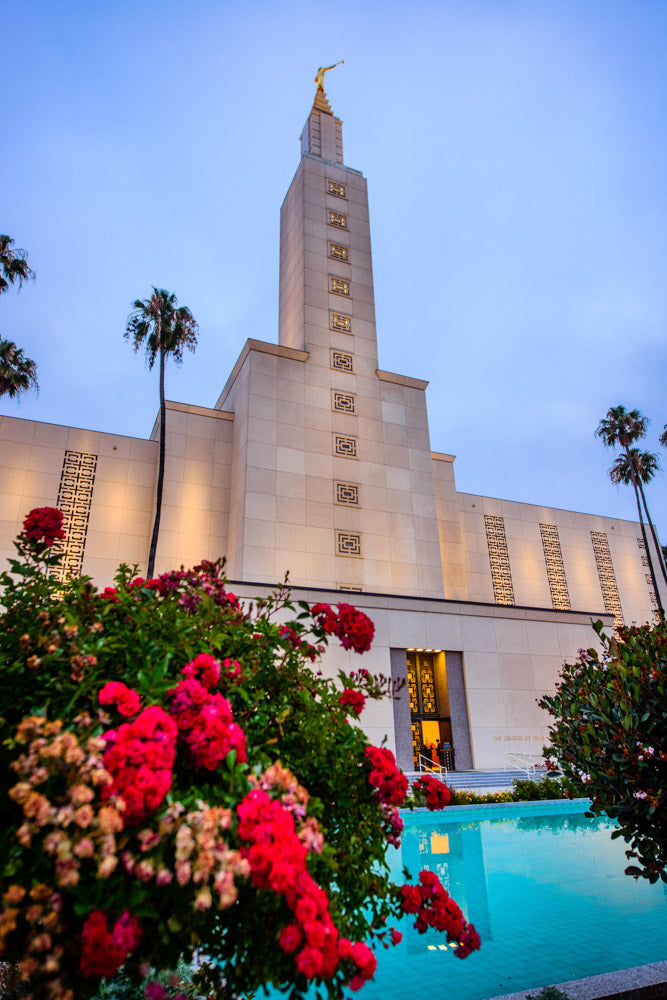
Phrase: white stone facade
{"type": "Point", "coordinates": [316, 462]}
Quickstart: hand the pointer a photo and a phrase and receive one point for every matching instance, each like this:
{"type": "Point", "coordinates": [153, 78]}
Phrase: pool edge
{"type": "Point", "coordinates": [639, 982]}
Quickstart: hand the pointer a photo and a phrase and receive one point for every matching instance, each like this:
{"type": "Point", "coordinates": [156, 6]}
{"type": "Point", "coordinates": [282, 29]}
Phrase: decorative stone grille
{"type": "Point", "coordinates": [75, 495]}
{"type": "Point", "coordinates": [553, 557]}
{"type": "Point", "coordinates": [343, 402]}
{"type": "Point", "coordinates": [645, 562]}
{"type": "Point", "coordinates": [345, 447]}
{"type": "Point", "coordinates": [347, 494]}
{"type": "Point", "coordinates": [612, 602]}
{"type": "Point", "coordinates": [348, 543]}
{"type": "Point", "coordinates": [339, 252]}
{"type": "Point", "coordinates": [337, 219]}
{"type": "Point", "coordinates": [340, 322]}
{"type": "Point", "coordinates": [339, 286]}
{"type": "Point", "coordinates": [501, 574]}
{"type": "Point", "coordinates": [342, 362]}
{"type": "Point", "coordinates": [335, 188]}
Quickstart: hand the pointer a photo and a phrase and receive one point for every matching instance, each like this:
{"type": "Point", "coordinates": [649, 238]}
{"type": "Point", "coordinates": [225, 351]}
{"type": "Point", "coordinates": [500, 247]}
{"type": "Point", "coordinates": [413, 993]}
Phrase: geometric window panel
{"type": "Point", "coordinates": [644, 560]}
{"type": "Point", "coordinates": [352, 587]}
{"type": "Point", "coordinates": [421, 684]}
{"type": "Point", "coordinates": [416, 743]}
{"type": "Point", "coordinates": [427, 678]}
{"type": "Point", "coordinates": [75, 495]}
{"type": "Point", "coordinates": [348, 543]}
{"type": "Point", "coordinates": [501, 574]}
{"type": "Point", "coordinates": [640, 543]}
{"type": "Point", "coordinates": [553, 557]}
{"type": "Point", "coordinates": [347, 494]}
{"type": "Point", "coordinates": [342, 362]}
{"type": "Point", "coordinates": [339, 252]}
{"type": "Point", "coordinates": [337, 219]}
{"type": "Point", "coordinates": [338, 321]}
{"type": "Point", "coordinates": [345, 447]}
{"type": "Point", "coordinates": [335, 188]}
{"type": "Point", "coordinates": [648, 579]}
{"type": "Point", "coordinates": [413, 686]}
{"type": "Point", "coordinates": [343, 402]}
{"type": "Point", "coordinates": [339, 286]}
{"type": "Point", "coordinates": [612, 602]}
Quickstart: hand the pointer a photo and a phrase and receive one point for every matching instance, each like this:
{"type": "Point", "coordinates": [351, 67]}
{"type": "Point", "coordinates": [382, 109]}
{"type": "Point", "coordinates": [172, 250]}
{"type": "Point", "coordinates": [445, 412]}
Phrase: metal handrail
{"type": "Point", "coordinates": [528, 762]}
{"type": "Point", "coordinates": [426, 764]}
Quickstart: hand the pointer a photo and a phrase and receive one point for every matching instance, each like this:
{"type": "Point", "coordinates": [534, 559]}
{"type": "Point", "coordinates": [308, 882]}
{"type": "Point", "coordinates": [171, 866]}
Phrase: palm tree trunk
{"type": "Point", "coordinates": [636, 485]}
{"type": "Point", "coordinates": [160, 471]}
{"type": "Point", "coordinates": [654, 533]}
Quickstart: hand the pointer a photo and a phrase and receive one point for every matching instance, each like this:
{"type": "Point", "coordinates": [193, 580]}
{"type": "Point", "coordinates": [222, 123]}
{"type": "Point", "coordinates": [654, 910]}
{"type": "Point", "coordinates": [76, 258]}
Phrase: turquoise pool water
{"type": "Point", "coordinates": [545, 888]}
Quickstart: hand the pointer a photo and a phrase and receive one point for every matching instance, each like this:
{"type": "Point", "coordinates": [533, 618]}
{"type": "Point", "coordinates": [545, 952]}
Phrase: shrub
{"type": "Point", "coordinates": [531, 790]}
{"type": "Point", "coordinates": [609, 738]}
{"type": "Point", "coordinates": [179, 776]}
{"type": "Point", "coordinates": [464, 797]}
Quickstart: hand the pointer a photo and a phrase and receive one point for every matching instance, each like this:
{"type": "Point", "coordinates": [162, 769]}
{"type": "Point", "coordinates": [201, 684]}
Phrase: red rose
{"type": "Point", "coordinates": [354, 699]}
{"type": "Point", "coordinates": [204, 668]}
{"type": "Point", "coordinates": [44, 523]}
{"type": "Point", "coordinates": [354, 628]}
{"type": "Point", "coordinates": [390, 783]}
{"type": "Point", "coordinates": [103, 951]}
{"type": "Point", "coordinates": [290, 938]}
{"type": "Point", "coordinates": [110, 594]}
{"type": "Point", "coordinates": [436, 792]}
{"type": "Point", "coordinates": [140, 756]}
{"type": "Point", "coordinates": [126, 700]}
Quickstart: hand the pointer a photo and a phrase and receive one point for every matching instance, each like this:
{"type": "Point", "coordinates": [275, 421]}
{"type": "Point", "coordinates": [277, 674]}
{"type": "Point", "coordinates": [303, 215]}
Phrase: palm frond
{"type": "Point", "coordinates": [14, 267]}
{"type": "Point", "coordinates": [621, 426]}
{"type": "Point", "coordinates": [18, 373]}
{"type": "Point", "coordinates": [636, 465]}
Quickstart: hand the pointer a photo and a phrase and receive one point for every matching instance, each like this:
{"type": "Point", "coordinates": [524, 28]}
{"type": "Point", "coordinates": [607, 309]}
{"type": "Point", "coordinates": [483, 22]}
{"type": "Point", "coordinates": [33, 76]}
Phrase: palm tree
{"type": "Point", "coordinates": [642, 465]}
{"type": "Point", "coordinates": [663, 437]}
{"type": "Point", "coordinates": [625, 427]}
{"type": "Point", "coordinates": [17, 373]}
{"type": "Point", "coordinates": [13, 265]}
{"type": "Point", "coordinates": [166, 331]}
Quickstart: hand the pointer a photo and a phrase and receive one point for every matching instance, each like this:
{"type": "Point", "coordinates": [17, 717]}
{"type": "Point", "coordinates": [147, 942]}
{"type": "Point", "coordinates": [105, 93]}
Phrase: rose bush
{"type": "Point", "coordinates": [180, 776]}
{"type": "Point", "coordinates": [609, 738]}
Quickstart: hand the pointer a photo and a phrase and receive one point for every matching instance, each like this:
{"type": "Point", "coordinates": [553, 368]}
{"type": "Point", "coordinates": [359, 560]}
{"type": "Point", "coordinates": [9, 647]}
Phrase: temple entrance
{"type": "Point", "coordinates": [432, 746]}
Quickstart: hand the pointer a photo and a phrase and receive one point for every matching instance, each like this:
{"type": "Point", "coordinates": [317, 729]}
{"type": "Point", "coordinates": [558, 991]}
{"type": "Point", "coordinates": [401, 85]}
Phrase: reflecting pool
{"type": "Point", "coordinates": [543, 884]}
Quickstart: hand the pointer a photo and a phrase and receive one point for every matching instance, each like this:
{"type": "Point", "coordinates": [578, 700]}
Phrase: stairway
{"type": "Point", "coordinates": [496, 780]}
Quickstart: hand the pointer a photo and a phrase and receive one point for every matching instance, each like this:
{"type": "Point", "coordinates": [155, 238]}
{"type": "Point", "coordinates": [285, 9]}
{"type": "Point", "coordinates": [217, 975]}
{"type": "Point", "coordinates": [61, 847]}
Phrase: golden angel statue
{"type": "Point", "coordinates": [319, 76]}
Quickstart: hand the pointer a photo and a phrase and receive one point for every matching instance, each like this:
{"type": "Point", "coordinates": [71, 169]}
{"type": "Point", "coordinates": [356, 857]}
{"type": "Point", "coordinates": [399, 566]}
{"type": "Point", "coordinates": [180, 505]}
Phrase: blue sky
{"type": "Point", "coordinates": [516, 154]}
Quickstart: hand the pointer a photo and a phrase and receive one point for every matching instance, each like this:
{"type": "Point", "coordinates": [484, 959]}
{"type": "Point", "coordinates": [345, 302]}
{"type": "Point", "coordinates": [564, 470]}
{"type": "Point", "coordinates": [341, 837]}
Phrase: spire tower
{"type": "Point", "coordinates": [323, 133]}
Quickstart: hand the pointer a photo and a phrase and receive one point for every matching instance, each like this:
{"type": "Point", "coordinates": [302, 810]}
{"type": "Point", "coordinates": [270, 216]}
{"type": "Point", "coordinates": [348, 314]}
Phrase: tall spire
{"type": "Point", "coordinates": [323, 133]}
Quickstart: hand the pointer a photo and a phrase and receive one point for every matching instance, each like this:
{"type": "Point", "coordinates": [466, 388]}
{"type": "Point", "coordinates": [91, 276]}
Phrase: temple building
{"type": "Point", "coordinates": [316, 461]}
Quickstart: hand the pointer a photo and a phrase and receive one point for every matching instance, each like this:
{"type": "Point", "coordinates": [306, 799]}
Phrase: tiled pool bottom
{"type": "Point", "coordinates": [545, 888]}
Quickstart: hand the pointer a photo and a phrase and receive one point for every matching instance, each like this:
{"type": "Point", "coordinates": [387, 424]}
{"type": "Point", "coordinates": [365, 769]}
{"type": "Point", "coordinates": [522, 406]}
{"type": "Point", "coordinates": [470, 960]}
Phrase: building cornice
{"type": "Point", "coordinates": [262, 347]}
{"type": "Point", "coordinates": [413, 383]}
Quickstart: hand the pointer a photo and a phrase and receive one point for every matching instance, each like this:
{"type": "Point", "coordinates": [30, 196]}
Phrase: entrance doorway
{"type": "Point", "coordinates": [430, 720]}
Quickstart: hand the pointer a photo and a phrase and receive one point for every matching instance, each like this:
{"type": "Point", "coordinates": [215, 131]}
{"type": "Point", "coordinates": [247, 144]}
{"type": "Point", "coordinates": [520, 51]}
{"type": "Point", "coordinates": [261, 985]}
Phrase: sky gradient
{"type": "Point", "coordinates": [516, 156]}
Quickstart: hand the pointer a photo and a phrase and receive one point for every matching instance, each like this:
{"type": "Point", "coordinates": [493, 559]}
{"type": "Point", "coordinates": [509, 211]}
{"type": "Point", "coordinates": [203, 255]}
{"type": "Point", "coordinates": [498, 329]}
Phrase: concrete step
{"type": "Point", "coordinates": [498, 779]}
